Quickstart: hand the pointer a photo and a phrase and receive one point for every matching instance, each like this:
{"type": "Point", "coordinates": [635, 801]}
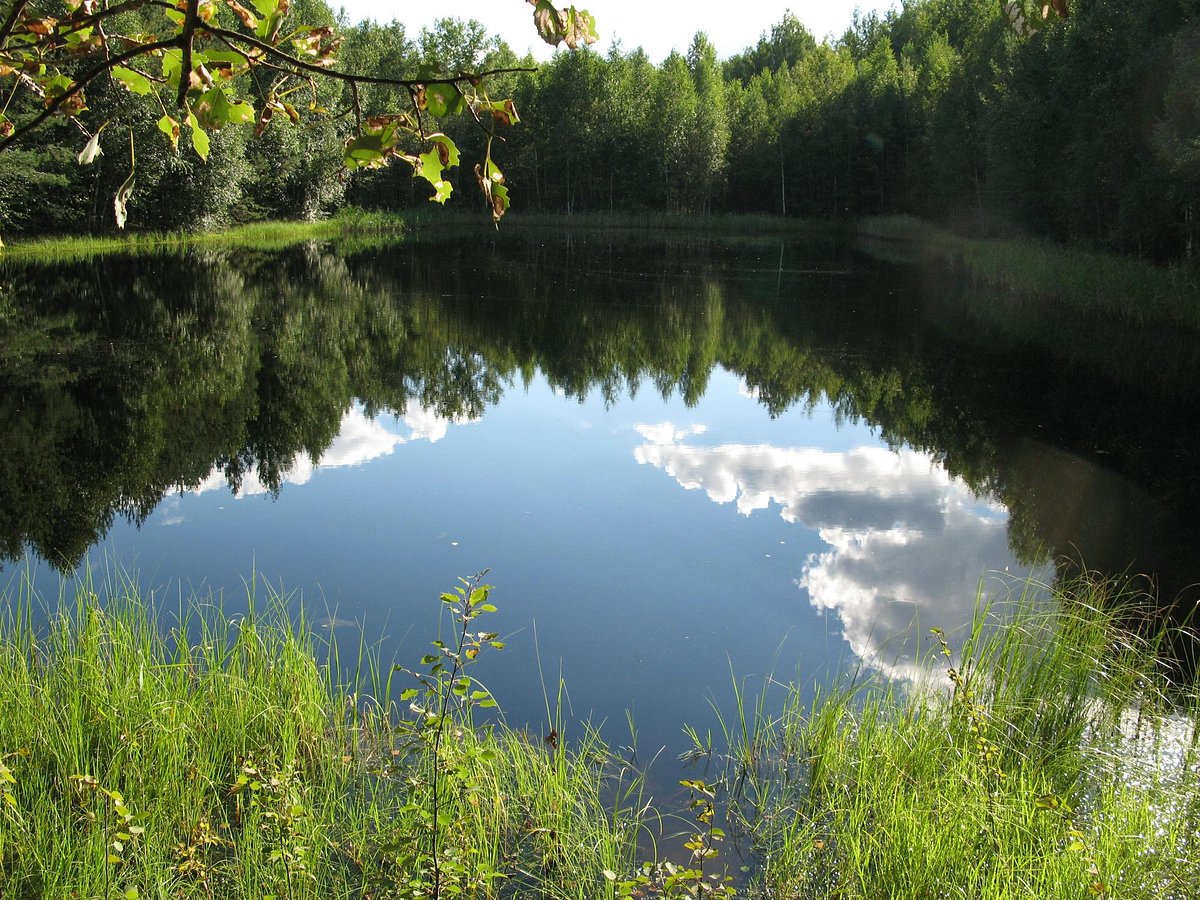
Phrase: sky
{"type": "Point", "coordinates": [658, 27]}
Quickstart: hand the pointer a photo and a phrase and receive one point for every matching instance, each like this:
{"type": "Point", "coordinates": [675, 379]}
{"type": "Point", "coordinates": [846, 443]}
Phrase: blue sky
{"type": "Point", "coordinates": [658, 27]}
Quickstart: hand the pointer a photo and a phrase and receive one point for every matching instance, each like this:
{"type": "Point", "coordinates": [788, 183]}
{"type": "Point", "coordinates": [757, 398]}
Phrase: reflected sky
{"type": "Point", "coordinates": [907, 546]}
{"type": "Point", "coordinates": [360, 440]}
{"type": "Point", "coordinates": [797, 550]}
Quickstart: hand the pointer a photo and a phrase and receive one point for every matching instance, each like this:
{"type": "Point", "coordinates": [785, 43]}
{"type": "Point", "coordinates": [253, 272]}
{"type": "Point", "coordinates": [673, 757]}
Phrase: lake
{"type": "Point", "coordinates": [684, 459]}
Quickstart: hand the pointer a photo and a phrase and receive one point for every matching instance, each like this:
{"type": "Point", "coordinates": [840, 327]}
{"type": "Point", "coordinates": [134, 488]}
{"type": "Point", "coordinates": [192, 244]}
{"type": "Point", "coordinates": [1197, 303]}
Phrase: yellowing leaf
{"type": "Point", "coordinates": [170, 127]}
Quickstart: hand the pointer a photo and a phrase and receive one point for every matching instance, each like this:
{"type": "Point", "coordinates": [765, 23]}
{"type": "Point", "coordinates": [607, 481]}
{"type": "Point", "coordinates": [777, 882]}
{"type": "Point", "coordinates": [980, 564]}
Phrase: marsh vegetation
{"type": "Point", "coordinates": [169, 750]}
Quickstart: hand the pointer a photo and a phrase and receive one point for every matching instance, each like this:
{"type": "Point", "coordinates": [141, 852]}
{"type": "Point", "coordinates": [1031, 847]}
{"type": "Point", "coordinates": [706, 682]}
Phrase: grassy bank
{"type": "Point", "coordinates": [354, 229]}
{"type": "Point", "coordinates": [217, 758]}
{"type": "Point", "coordinates": [1034, 273]}
{"type": "Point", "coordinates": [1048, 759]}
{"type": "Point", "coordinates": [349, 225]}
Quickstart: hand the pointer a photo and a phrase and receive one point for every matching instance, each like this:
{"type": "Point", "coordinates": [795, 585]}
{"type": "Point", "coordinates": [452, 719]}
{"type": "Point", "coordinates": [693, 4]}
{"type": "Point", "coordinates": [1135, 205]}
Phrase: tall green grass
{"type": "Point", "coordinates": [153, 752]}
{"type": "Point", "coordinates": [215, 757]}
{"type": "Point", "coordinates": [1050, 760]}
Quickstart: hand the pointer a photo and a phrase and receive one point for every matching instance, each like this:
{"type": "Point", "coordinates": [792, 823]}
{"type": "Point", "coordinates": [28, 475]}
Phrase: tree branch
{"type": "Point", "coordinates": [11, 21]}
{"type": "Point", "coordinates": [347, 76]}
{"type": "Point", "coordinates": [80, 83]}
{"type": "Point", "coordinates": [185, 42]}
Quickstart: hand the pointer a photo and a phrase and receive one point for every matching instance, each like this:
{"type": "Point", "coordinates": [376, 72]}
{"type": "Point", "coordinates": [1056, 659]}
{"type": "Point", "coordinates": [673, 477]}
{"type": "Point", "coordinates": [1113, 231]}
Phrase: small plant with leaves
{"type": "Point", "coordinates": [121, 835]}
{"type": "Point", "coordinates": [1075, 841]}
{"type": "Point", "coordinates": [693, 880]}
{"type": "Point", "coordinates": [12, 823]}
{"type": "Point", "coordinates": [192, 856]}
{"type": "Point", "coordinates": [442, 702]}
{"type": "Point", "coordinates": [972, 714]}
{"type": "Point", "coordinates": [276, 803]}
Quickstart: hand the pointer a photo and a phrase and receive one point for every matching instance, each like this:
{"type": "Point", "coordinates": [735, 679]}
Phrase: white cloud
{"type": "Point", "coordinates": [667, 433]}
{"type": "Point", "coordinates": [427, 425]}
{"type": "Point", "coordinates": [908, 544]}
{"type": "Point", "coordinates": [360, 440]}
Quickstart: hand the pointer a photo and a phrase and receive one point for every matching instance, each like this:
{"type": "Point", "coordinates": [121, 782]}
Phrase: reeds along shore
{"type": "Point", "coordinates": [147, 752]}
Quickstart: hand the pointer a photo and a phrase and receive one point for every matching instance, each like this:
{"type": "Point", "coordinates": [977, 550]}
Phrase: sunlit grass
{"type": "Point", "coordinates": [1051, 760]}
{"type": "Point", "coordinates": [216, 757]}
{"type": "Point", "coordinates": [350, 224]}
{"type": "Point", "coordinates": [183, 752]}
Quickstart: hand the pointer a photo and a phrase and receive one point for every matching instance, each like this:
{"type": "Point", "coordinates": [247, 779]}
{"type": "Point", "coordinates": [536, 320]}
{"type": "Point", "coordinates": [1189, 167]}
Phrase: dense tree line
{"type": "Point", "coordinates": [1088, 129]}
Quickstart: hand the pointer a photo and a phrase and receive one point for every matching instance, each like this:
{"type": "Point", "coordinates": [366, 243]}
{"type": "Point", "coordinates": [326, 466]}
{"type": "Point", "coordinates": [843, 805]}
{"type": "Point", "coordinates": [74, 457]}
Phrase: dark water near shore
{"type": "Point", "coordinates": [678, 457]}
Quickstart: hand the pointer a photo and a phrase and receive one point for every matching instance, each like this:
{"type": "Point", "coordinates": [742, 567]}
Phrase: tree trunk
{"type": "Point", "coordinates": [782, 184]}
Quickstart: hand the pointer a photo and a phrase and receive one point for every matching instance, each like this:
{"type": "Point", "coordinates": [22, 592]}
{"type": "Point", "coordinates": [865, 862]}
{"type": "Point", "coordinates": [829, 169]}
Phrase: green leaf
{"type": "Point", "coordinates": [57, 85]}
{"type": "Point", "coordinates": [443, 100]}
{"type": "Point", "coordinates": [364, 151]}
{"type": "Point", "coordinates": [200, 141]}
{"type": "Point", "coordinates": [214, 110]}
{"type": "Point", "coordinates": [133, 80]}
{"type": "Point", "coordinates": [430, 166]}
{"type": "Point", "coordinates": [172, 64]}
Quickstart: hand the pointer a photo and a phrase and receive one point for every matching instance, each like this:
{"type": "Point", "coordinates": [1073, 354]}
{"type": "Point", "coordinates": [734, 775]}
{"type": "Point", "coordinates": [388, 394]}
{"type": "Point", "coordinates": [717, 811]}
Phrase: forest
{"type": "Point", "coordinates": [1087, 130]}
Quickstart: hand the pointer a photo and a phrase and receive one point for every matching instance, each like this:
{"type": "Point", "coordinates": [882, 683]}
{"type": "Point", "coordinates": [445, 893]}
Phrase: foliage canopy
{"type": "Point", "coordinates": [206, 65]}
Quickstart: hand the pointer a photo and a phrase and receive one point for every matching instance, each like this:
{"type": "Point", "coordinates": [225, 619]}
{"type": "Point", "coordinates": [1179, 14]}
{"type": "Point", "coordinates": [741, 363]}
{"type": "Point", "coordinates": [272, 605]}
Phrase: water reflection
{"type": "Point", "coordinates": [907, 543]}
{"type": "Point", "coordinates": [125, 381]}
{"type": "Point", "coordinates": [359, 440]}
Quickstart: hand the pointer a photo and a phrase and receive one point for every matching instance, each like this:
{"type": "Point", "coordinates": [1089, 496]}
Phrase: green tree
{"type": "Point", "coordinates": [207, 67]}
{"type": "Point", "coordinates": [709, 137]}
{"type": "Point", "coordinates": [788, 43]}
{"type": "Point", "coordinates": [675, 100]}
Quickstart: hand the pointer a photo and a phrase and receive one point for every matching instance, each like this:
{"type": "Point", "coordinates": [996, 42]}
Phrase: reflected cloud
{"type": "Point", "coordinates": [667, 433]}
{"type": "Point", "coordinates": [909, 546]}
{"type": "Point", "coordinates": [360, 439]}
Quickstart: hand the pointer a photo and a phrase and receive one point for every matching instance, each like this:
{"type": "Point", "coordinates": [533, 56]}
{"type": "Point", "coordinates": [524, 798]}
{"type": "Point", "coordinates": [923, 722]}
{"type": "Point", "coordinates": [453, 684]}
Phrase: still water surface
{"type": "Point", "coordinates": [678, 459]}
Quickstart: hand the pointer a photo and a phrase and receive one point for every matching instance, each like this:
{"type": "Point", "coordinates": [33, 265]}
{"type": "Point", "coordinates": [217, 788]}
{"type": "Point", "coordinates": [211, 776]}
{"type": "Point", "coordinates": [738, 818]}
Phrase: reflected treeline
{"type": "Point", "coordinates": [126, 379]}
